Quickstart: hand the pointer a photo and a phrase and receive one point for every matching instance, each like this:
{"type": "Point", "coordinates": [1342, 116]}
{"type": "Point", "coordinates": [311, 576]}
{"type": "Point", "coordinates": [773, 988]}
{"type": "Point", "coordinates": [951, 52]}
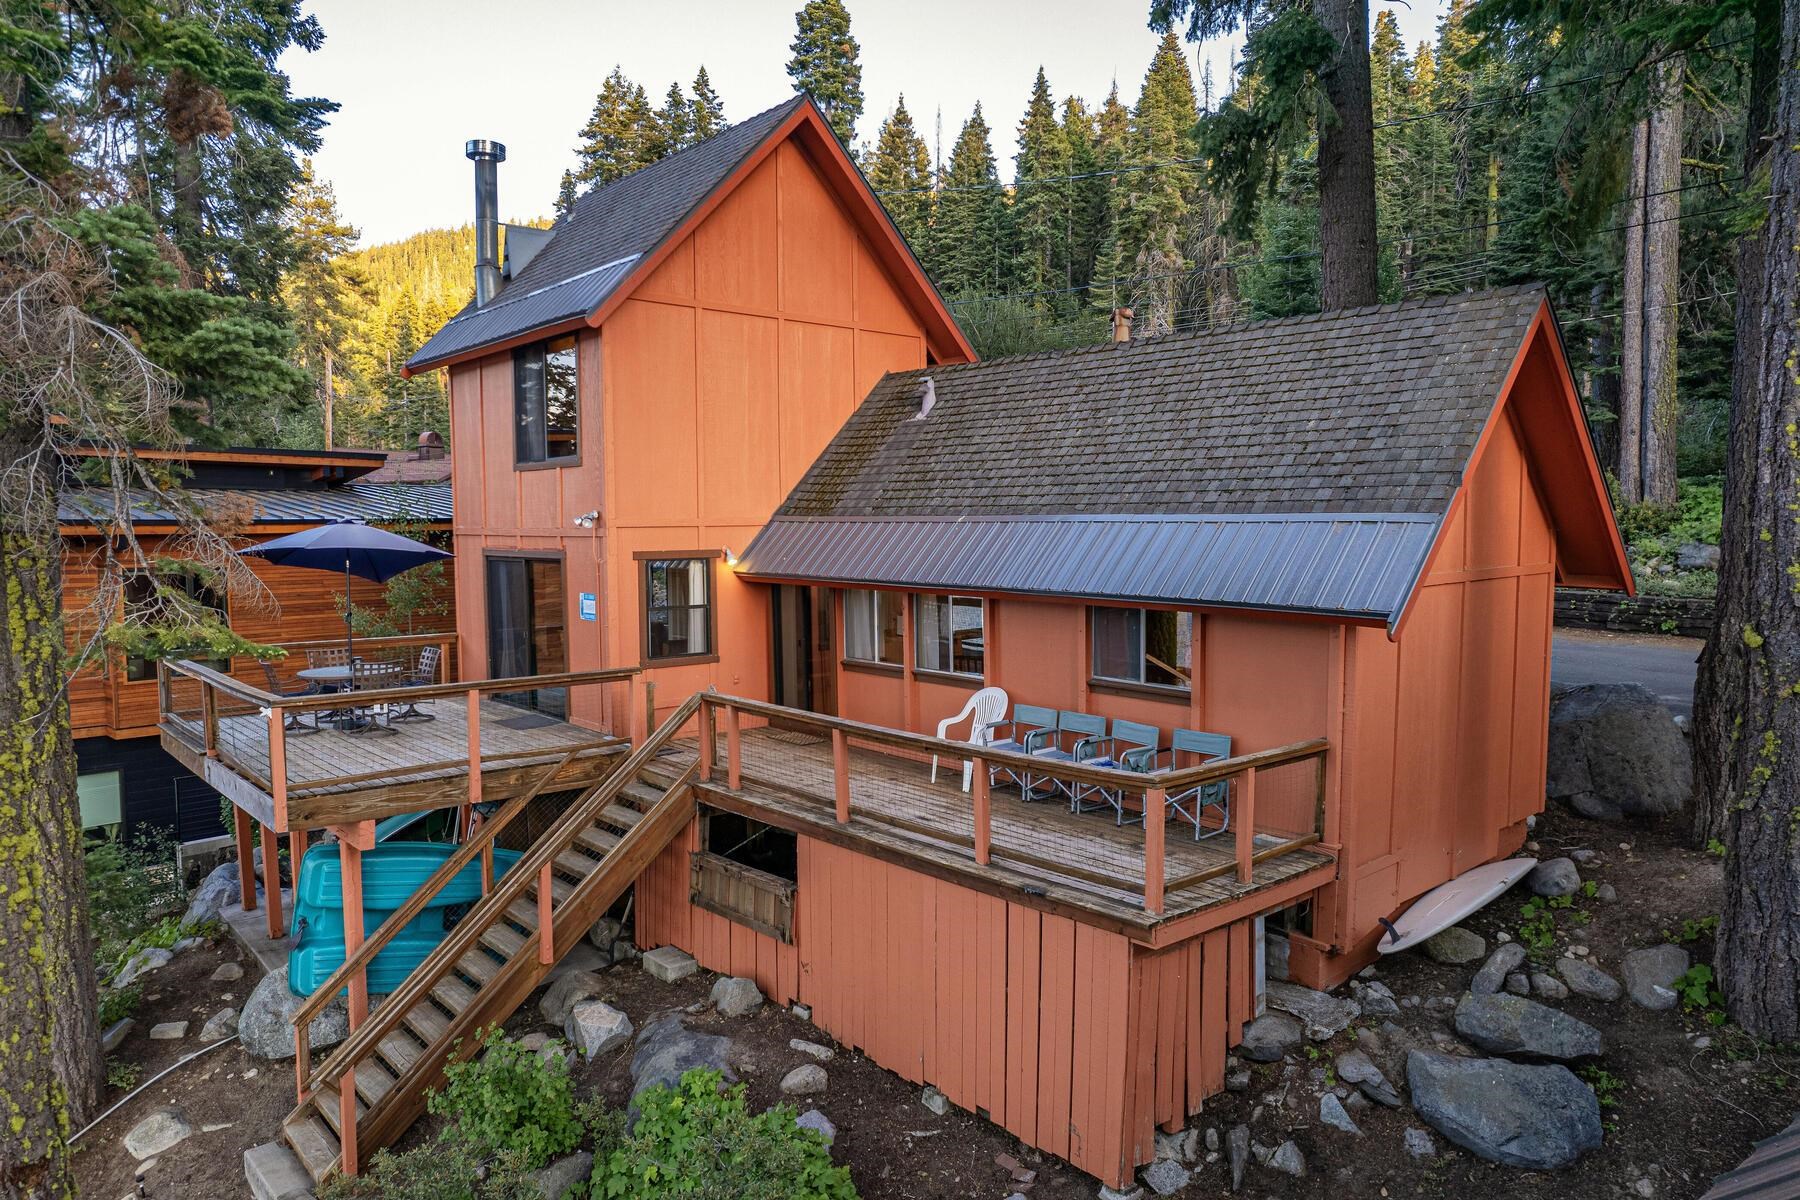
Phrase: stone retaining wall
{"type": "Point", "coordinates": [1685, 615]}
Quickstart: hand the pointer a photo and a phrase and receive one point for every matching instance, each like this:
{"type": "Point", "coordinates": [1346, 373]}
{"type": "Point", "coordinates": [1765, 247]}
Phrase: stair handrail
{"type": "Point", "coordinates": [398, 920]}
{"type": "Point", "coordinates": [523, 874]}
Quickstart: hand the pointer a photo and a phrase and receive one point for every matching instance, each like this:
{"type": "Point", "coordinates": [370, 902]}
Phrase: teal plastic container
{"type": "Point", "coordinates": [392, 872]}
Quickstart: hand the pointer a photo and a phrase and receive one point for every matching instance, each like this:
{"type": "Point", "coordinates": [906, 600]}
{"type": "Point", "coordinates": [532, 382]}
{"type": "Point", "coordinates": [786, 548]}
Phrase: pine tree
{"type": "Point", "coordinates": [968, 237]}
{"type": "Point", "coordinates": [1042, 217]}
{"type": "Point", "coordinates": [824, 64]}
{"type": "Point", "coordinates": [708, 109]}
{"type": "Point", "coordinates": [566, 192]}
{"type": "Point", "coordinates": [323, 291]}
{"type": "Point", "coordinates": [1087, 193]}
{"type": "Point", "coordinates": [621, 135]}
{"type": "Point", "coordinates": [1112, 138]}
{"type": "Point", "coordinates": [899, 171]}
{"type": "Point", "coordinates": [1150, 203]}
{"type": "Point", "coordinates": [674, 123]}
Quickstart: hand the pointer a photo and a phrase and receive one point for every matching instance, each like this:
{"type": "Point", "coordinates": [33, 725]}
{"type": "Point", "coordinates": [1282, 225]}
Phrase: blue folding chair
{"type": "Point", "coordinates": [1190, 804]}
{"type": "Point", "coordinates": [1074, 739]}
{"type": "Point", "coordinates": [1128, 738]}
{"type": "Point", "coordinates": [1012, 735]}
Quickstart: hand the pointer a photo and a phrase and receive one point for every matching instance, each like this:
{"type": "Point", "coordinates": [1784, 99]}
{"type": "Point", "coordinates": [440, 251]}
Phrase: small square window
{"type": "Point", "coordinates": [678, 615]}
{"type": "Point", "coordinates": [950, 634]}
{"type": "Point", "coordinates": [546, 402]}
{"type": "Point", "coordinates": [873, 626]}
{"type": "Point", "coordinates": [1137, 645]}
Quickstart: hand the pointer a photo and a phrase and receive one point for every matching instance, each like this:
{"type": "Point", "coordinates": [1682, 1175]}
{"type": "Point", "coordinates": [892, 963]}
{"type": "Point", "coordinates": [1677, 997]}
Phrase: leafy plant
{"type": "Point", "coordinates": [1606, 1085]}
{"type": "Point", "coordinates": [1715, 847]}
{"type": "Point", "coordinates": [129, 882]}
{"type": "Point", "coordinates": [122, 1075]}
{"type": "Point", "coordinates": [437, 1171]}
{"type": "Point", "coordinates": [508, 1100]}
{"type": "Point", "coordinates": [1537, 923]}
{"type": "Point", "coordinates": [1700, 994]}
{"type": "Point", "coordinates": [1693, 931]}
{"type": "Point", "coordinates": [699, 1141]}
{"type": "Point", "coordinates": [118, 1003]}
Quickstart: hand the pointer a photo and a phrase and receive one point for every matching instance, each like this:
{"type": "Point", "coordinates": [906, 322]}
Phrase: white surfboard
{"type": "Point", "coordinates": [1446, 904]}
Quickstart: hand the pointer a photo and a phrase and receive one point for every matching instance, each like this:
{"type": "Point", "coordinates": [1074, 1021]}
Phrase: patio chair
{"type": "Point", "coordinates": [1129, 738]}
{"type": "Point", "coordinates": [1026, 720]}
{"type": "Point", "coordinates": [1190, 804]}
{"type": "Point", "coordinates": [337, 656]}
{"type": "Point", "coordinates": [292, 722]}
{"type": "Point", "coordinates": [1087, 731]}
{"type": "Point", "coordinates": [423, 674]}
{"type": "Point", "coordinates": [984, 710]}
{"type": "Point", "coordinates": [367, 718]}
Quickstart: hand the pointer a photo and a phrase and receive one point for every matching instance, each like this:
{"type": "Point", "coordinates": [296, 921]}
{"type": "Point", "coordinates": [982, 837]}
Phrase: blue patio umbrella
{"type": "Point", "coordinates": [353, 548]}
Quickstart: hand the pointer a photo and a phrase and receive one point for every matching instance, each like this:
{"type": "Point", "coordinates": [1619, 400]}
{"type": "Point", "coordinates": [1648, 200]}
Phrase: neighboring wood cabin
{"type": "Point", "coordinates": [127, 781]}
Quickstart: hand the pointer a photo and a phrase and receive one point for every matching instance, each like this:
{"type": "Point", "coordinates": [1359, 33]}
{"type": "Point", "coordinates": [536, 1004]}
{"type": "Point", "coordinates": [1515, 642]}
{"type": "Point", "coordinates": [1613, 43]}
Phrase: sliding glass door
{"type": "Point", "coordinates": [527, 632]}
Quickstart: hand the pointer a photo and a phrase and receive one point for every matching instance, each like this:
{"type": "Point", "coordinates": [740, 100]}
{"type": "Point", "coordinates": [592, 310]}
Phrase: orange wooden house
{"type": "Point", "coordinates": [716, 426]}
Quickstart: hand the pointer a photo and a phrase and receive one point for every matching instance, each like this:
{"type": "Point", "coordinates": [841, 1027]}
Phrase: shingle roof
{"type": "Point", "coordinates": [422, 502]}
{"type": "Point", "coordinates": [608, 231]}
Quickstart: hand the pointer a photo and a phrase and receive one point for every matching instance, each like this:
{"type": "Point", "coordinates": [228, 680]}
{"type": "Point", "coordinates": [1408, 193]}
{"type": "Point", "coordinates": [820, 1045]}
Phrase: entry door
{"type": "Point", "coordinates": [526, 628]}
{"type": "Point", "coordinates": [804, 648]}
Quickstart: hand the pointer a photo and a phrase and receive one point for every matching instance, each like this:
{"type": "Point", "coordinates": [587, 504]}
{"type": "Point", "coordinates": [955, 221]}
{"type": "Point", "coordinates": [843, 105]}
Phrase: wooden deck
{"type": "Point", "coordinates": [1040, 848]}
{"type": "Point", "coordinates": [338, 776]}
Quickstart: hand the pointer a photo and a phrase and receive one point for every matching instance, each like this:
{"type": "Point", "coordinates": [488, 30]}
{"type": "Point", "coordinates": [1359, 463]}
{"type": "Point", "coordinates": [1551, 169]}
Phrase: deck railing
{"type": "Point", "coordinates": [1289, 814]}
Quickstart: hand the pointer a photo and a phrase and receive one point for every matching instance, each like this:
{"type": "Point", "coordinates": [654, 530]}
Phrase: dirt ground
{"type": "Point", "coordinates": [1680, 1112]}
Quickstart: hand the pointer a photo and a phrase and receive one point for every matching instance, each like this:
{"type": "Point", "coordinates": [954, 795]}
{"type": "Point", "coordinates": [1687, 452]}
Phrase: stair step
{"type": "Point", "coordinates": [373, 1080]}
{"type": "Point", "coordinates": [399, 1051]}
{"type": "Point", "coordinates": [621, 817]}
{"type": "Point", "coordinates": [477, 965]}
{"type": "Point", "coordinates": [643, 792]}
{"type": "Point", "coordinates": [573, 863]}
{"type": "Point", "coordinates": [425, 1020]}
{"type": "Point", "coordinates": [453, 994]}
{"type": "Point", "coordinates": [326, 1100]}
{"type": "Point", "coordinates": [503, 938]}
{"type": "Point", "coordinates": [524, 914]}
{"type": "Point", "coordinates": [597, 840]}
{"type": "Point", "coordinates": [313, 1142]}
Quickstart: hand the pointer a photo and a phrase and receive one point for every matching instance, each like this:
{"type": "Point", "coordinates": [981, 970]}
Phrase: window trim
{"type": "Point", "coordinates": [644, 558]}
{"type": "Point", "coordinates": [875, 664]}
{"type": "Point", "coordinates": [1140, 686]}
{"type": "Point", "coordinates": [950, 672]}
{"type": "Point", "coordinates": [560, 461]}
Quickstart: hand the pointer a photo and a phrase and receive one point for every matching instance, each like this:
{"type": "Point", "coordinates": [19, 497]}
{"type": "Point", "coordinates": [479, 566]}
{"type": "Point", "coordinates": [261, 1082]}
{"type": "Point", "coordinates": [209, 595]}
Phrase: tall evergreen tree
{"type": "Point", "coordinates": [621, 135]}
{"type": "Point", "coordinates": [969, 236]}
{"type": "Point", "coordinates": [1087, 193]}
{"type": "Point", "coordinates": [1042, 217]}
{"type": "Point", "coordinates": [1112, 138]}
{"type": "Point", "coordinates": [708, 110]}
{"type": "Point", "coordinates": [674, 122]}
{"type": "Point", "coordinates": [899, 171]}
{"type": "Point", "coordinates": [824, 64]}
{"type": "Point", "coordinates": [1150, 203]}
{"type": "Point", "coordinates": [324, 291]}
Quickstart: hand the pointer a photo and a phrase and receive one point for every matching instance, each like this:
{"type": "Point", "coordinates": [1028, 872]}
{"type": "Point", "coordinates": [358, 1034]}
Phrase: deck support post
{"type": "Point", "coordinates": [296, 854]}
{"type": "Point", "coordinates": [271, 878]}
{"type": "Point", "coordinates": [546, 928]}
{"type": "Point", "coordinates": [983, 815]}
{"type": "Point", "coordinates": [1155, 804]}
{"type": "Point", "coordinates": [734, 750]}
{"type": "Point", "coordinates": [347, 1120]}
{"type": "Point", "coordinates": [350, 862]}
{"type": "Point", "coordinates": [840, 774]}
{"type": "Point", "coordinates": [1244, 838]}
{"type": "Point", "coordinates": [474, 717]}
{"type": "Point", "coordinates": [240, 820]}
{"type": "Point", "coordinates": [709, 739]}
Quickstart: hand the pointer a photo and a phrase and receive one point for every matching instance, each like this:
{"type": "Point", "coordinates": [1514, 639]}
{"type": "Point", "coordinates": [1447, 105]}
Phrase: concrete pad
{"type": "Point", "coordinates": [670, 963]}
{"type": "Point", "coordinates": [274, 1173]}
{"type": "Point", "coordinates": [251, 929]}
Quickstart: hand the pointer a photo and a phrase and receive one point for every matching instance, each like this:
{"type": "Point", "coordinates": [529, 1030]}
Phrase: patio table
{"type": "Point", "coordinates": [338, 678]}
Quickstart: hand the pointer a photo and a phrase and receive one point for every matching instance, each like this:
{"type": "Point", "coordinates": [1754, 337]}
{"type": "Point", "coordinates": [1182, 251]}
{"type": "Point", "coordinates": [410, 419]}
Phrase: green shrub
{"type": "Point", "coordinates": [438, 1171]}
{"type": "Point", "coordinates": [122, 1075]}
{"type": "Point", "coordinates": [118, 1003]}
{"type": "Point", "coordinates": [702, 1143]}
{"type": "Point", "coordinates": [129, 883]}
{"type": "Point", "coordinates": [1700, 994]}
{"type": "Point", "coordinates": [507, 1099]}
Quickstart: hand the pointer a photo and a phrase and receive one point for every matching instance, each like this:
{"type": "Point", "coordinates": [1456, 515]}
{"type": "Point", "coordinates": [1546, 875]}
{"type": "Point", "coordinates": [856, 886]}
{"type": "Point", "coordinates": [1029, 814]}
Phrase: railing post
{"type": "Point", "coordinates": [734, 772]}
{"type": "Point", "coordinates": [840, 774]}
{"type": "Point", "coordinates": [649, 707]}
{"type": "Point", "coordinates": [983, 821]}
{"type": "Point", "coordinates": [302, 1061]}
{"type": "Point", "coordinates": [1155, 804]}
{"type": "Point", "coordinates": [347, 1120]}
{"type": "Point", "coordinates": [271, 851]}
{"type": "Point", "coordinates": [474, 720]}
{"type": "Point", "coordinates": [209, 719]}
{"type": "Point", "coordinates": [546, 930]}
{"type": "Point", "coordinates": [487, 868]}
{"type": "Point", "coordinates": [240, 821]}
{"type": "Point", "coordinates": [1245, 837]}
{"type": "Point", "coordinates": [709, 739]}
{"type": "Point", "coordinates": [1319, 795]}
{"type": "Point", "coordinates": [278, 764]}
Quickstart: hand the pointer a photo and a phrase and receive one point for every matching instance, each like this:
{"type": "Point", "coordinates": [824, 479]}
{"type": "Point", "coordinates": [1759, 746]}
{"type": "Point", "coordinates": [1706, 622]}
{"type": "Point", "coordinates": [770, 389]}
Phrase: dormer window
{"type": "Point", "coordinates": [546, 403]}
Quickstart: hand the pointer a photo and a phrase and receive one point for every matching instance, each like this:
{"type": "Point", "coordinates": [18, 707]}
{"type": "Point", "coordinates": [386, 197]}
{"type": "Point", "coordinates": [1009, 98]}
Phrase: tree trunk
{"type": "Point", "coordinates": [1631, 325]}
{"type": "Point", "coordinates": [1347, 252]}
{"type": "Point", "coordinates": [330, 397]}
{"type": "Point", "coordinates": [186, 217]}
{"type": "Point", "coordinates": [1662, 255]}
{"type": "Point", "coordinates": [1747, 710]}
{"type": "Point", "coordinates": [1603, 380]}
{"type": "Point", "coordinates": [50, 1064]}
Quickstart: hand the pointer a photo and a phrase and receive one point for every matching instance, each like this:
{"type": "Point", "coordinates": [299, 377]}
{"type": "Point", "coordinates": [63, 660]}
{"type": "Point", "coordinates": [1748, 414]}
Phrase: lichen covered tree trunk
{"type": "Point", "coordinates": [49, 1053]}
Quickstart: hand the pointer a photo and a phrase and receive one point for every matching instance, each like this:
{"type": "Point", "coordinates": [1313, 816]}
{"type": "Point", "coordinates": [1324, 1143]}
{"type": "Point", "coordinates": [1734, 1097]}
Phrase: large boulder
{"type": "Point", "coordinates": [1270, 1036]}
{"type": "Point", "coordinates": [1650, 975]}
{"type": "Point", "coordinates": [1324, 1016]}
{"type": "Point", "coordinates": [1537, 1117]}
{"type": "Point", "coordinates": [141, 964]}
{"type": "Point", "coordinates": [594, 1027]}
{"type": "Point", "coordinates": [1506, 1024]}
{"type": "Point", "coordinates": [736, 996]}
{"type": "Point", "coordinates": [667, 1050]}
{"type": "Point", "coordinates": [266, 1024]}
{"type": "Point", "coordinates": [1616, 753]}
{"type": "Point", "coordinates": [566, 992]}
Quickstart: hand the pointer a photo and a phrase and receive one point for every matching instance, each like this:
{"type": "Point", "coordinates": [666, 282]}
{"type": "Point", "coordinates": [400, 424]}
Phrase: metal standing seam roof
{"type": "Point", "coordinates": [1341, 564]}
{"type": "Point", "coordinates": [424, 502]}
{"type": "Point", "coordinates": [515, 313]}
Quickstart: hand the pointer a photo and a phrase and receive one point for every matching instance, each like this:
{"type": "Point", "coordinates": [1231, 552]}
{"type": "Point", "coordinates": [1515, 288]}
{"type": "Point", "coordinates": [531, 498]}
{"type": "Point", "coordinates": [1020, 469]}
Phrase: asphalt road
{"type": "Point", "coordinates": [1665, 665]}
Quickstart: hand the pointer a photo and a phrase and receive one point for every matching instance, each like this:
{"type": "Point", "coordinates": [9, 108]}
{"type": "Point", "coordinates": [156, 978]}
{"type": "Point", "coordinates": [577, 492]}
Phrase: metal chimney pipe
{"type": "Point", "coordinates": [487, 157]}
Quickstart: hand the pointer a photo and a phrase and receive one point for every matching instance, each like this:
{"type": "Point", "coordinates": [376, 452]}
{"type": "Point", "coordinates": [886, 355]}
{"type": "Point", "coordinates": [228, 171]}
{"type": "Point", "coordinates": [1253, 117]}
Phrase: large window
{"type": "Point", "coordinates": [527, 634]}
{"type": "Point", "coordinates": [546, 402]}
{"type": "Point", "coordinates": [1136, 645]}
{"type": "Point", "coordinates": [873, 632]}
{"type": "Point", "coordinates": [172, 598]}
{"type": "Point", "coordinates": [950, 634]}
{"type": "Point", "coordinates": [678, 618]}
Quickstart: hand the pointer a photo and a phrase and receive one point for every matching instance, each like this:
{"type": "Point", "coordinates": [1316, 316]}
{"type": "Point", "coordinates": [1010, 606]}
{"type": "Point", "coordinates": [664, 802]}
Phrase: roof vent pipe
{"type": "Point", "coordinates": [927, 400]}
{"type": "Point", "coordinates": [487, 157]}
{"type": "Point", "coordinates": [1121, 324]}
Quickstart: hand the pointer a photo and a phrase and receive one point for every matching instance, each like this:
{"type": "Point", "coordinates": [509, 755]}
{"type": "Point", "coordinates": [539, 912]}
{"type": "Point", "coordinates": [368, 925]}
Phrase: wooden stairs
{"type": "Point", "coordinates": [373, 1086]}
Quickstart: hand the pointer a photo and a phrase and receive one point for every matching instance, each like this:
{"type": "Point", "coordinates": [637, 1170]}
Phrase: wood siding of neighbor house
{"type": "Point", "coordinates": [704, 397]}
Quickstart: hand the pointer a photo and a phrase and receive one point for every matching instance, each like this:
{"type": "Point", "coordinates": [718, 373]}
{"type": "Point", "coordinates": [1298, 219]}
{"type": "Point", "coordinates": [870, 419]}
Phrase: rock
{"type": "Point", "coordinates": [1110, 1193]}
{"type": "Point", "coordinates": [1288, 1160]}
{"type": "Point", "coordinates": [1355, 1067]}
{"type": "Point", "coordinates": [220, 887]}
{"type": "Point", "coordinates": [1270, 1036]}
{"type": "Point", "coordinates": [1696, 556]}
{"type": "Point", "coordinates": [1237, 1081]}
{"type": "Point", "coordinates": [1518, 983]}
{"type": "Point", "coordinates": [1375, 999]}
{"type": "Point", "coordinates": [1237, 1149]}
{"type": "Point", "coordinates": [1537, 1117]}
{"type": "Point", "coordinates": [157, 1132]}
{"type": "Point", "coordinates": [1418, 1143]}
{"type": "Point", "coordinates": [1615, 753]}
{"type": "Point", "coordinates": [735, 996]}
{"type": "Point", "coordinates": [1549, 986]}
{"type": "Point", "coordinates": [554, 1181]}
{"type": "Point", "coordinates": [804, 1080]}
{"type": "Point", "coordinates": [186, 944]}
{"type": "Point", "coordinates": [1606, 893]}
{"type": "Point", "coordinates": [1331, 1111]}
{"type": "Point", "coordinates": [1513, 1025]}
{"type": "Point", "coordinates": [1501, 963]}
{"type": "Point", "coordinates": [115, 1035]}
{"type": "Point", "coordinates": [819, 1123]}
{"type": "Point", "coordinates": [555, 1050]}
{"type": "Point", "coordinates": [534, 1041]}
{"type": "Point", "coordinates": [934, 1100]}
{"type": "Point", "coordinates": [1324, 1016]}
{"type": "Point", "coordinates": [812, 1050]}
{"type": "Point", "coordinates": [803, 1011]}
{"type": "Point", "coordinates": [140, 964]}
{"type": "Point", "coordinates": [1165, 1176]}
{"type": "Point", "coordinates": [266, 1023]}
{"type": "Point", "coordinates": [565, 992]}
{"type": "Point", "coordinates": [273, 1172]}
{"type": "Point", "coordinates": [605, 932]}
{"type": "Point", "coordinates": [220, 1025]}
{"type": "Point", "coordinates": [226, 973]}
{"type": "Point", "coordinates": [1650, 976]}
{"type": "Point", "coordinates": [1183, 1146]}
{"type": "Point", "coordinates": [1440, 1004]}
{"type": "Point", "coordinates": [1583, 856]}
{"type": "Point", "coordinates": [1454, 946]}
{"type": "Point", "coordinates": [667, 1049]}
{"type": "Point", "coordinates": [1585, 979]}
{"type": "Point", "coordinates": [670, 963]}
{"type": "Point", "coordinates": [594, 1027]}
{"type": "Point", "coordinates": [169, 1031]}
{"type": "Point", "coordinates": [1554, 877]}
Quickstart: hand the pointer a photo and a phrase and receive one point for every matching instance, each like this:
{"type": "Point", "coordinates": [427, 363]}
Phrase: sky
{"type": "Point", "coordinates": [415, 79]}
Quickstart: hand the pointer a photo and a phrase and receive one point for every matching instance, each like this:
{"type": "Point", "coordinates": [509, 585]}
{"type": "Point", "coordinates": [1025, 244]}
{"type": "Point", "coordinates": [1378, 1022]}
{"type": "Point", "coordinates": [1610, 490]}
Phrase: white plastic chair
{"type": "Point", "coordinates": [985, 709]}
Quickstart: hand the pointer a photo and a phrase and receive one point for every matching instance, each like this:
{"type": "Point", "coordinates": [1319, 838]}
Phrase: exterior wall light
{"type": "Point", "coordinates": [586, 520]}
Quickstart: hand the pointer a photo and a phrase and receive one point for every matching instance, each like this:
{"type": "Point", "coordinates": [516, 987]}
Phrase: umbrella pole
{"type": "Point", "coordinates": [349, 629]}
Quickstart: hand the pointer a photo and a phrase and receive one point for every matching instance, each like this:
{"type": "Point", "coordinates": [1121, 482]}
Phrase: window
{"type": "Point", "coordinates": [546, 402]}
{"type": "Point", "coordinates": [677, 608]}
{"type": "Point", "coordinates": [746, 871]}
{"type": "Point", "coordinates": [99, 796]}
{"type": "Point", "coordinates": [527, 635]}
{"type": "Point", "coordinates": [872, 626]}
{"type": "Point", "coordinates": [167, 597]}
{"type": "Point", "coordinates": [1136, 645]}
{"type": "Point", "coordinates": [948, 630]}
